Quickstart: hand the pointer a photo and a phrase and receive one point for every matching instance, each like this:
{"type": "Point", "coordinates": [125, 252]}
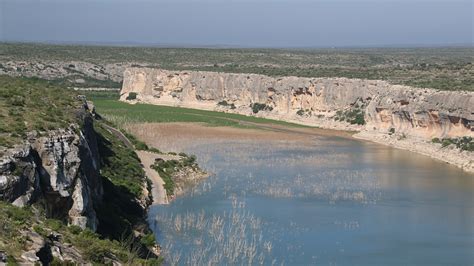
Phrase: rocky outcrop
{"type": "Point", "coordinates": [60, 170]}
{"type": "Point", "coordinates": [333, 103]}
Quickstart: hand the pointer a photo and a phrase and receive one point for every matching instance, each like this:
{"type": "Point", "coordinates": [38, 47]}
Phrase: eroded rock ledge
{"type": "Point", "coordinates": [61, 169]}
{"type": "Point", "coordinates": [336, 103]}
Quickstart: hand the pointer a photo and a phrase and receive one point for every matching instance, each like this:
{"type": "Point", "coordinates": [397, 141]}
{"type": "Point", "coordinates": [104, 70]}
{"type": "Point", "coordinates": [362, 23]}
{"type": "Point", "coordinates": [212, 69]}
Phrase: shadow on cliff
{"type": "Point", "coordinates": [119, 212]}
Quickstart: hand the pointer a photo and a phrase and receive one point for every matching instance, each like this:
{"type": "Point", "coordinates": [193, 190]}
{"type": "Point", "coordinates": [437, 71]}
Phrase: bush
{"type": "Point", "coordinates": [446, 142]}
{"type": "Point", "coordinates": [131, 96]}
{"type": "Point", "coordinates": [140, 145]}
{"type": "Point", "coordinates": [256, 107]}
{"type": "Point", "coordinates": [462, 143]}
{"type": "Point", "coordinates": [226, 104]}
{"type": "Point", "coordinates": [300, 112]}
{"type": "Point", "coordinates": [40, 230]}
{"type": "Point", "coordinates": [155, 150]}
{"type": "Point", "coordinates": [166, 170]}
{"type": "Point", "coordinates": [148, 240]}
{"type": "Point", "coordinates": [74, 229]}
{"type": "Point", "coordinates": [352, 116]}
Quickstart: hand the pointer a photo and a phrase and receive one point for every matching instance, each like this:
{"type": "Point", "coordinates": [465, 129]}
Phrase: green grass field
{"type": "Point", "coordinates": [120, 113]}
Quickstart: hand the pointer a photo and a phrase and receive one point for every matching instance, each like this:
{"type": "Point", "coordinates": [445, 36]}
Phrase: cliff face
{"type": "Point", "coordinates": [325, 102]}
{"type": "Point", "coordinates": [60, 170]}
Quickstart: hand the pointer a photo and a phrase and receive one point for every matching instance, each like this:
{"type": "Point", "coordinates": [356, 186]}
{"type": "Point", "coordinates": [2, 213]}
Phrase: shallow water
{"type": "Point", "coordinates": [326, 201]}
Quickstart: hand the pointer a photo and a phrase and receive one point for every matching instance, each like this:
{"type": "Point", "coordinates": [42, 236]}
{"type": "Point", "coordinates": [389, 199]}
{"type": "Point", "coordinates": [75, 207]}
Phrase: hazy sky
{"type": "Point", "coordinates": [277, 23]}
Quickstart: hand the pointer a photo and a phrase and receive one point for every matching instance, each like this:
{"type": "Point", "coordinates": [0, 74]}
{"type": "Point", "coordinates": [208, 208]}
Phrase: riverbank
{"type": "Point", "coordinates": [450, 155]}
{"type": "Point", "coordinates": [158, 191]}
{"type": "Point", "coordinates": [232, 121]}
{"type": "Point", "coordinates": [183, 132]}
{"type": "Point", "coordinates": [177, 136]}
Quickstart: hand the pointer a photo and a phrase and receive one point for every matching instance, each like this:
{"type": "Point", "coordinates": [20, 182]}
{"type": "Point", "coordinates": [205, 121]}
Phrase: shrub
{"type": "Point", "coordinates": [131, 96]}
{"type": "Point", "coordinates": [40, 230]}
{"type": "Point", "coordinates": [74, 229]}
{"type": "Point", "coordinates": [166, 170]}
{"type": "Point", "coordinates": [148, 240]}
{"type": "Point", "coordinates": [155, 150]}
{"type": "Point", "coordinates": [256, 107]}
{"type": "Point", "coordinates": [226, 104]}
{"type": "Point", "coordinates": [17, 101]}
{"type": "Point", "coordinates": [300, 112]}
{"type": "Point", "coordinates": [140, 145]}
{"type": "Point", "coordinates": [446, 142]}
{"type": "Point", "coordinates": [463, 143]}
{"type": "Point", "coordinates": [352, 116]}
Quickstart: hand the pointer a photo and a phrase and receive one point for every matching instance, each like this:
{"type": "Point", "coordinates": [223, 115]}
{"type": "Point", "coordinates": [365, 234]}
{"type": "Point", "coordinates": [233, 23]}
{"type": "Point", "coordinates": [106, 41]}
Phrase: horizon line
{"type": "Point", "coordinates": [231, 46]}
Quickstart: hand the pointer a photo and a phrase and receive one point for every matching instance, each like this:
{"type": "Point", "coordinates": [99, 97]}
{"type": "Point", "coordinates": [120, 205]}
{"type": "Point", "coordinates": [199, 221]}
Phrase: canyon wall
{"type": "Point", "coordinates": [324, 102]}
{"type": "Point", "coordinates": [59, 169]}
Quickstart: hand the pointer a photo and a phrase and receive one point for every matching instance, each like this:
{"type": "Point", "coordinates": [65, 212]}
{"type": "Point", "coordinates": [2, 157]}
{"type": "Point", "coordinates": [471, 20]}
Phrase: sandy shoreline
{"type": "Point", "coordinates": [461, 159]}
{"type": "Point", "coordinates": [158, 191]}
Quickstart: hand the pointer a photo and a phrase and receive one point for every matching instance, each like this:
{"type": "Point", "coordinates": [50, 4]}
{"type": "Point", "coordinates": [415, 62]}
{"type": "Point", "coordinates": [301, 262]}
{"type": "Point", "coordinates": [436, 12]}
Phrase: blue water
{"type": "Point", "coordinates": [327, 201]}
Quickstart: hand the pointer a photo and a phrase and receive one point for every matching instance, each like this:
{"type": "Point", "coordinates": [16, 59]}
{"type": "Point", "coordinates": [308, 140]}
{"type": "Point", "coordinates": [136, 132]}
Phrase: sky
{"type": "Point", "coordinates": [240, 23]}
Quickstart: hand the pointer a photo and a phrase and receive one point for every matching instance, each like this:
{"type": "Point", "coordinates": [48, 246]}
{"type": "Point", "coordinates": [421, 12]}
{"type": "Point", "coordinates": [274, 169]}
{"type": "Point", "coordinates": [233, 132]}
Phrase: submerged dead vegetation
{"type": "Point", "coordinates": [230, 238]}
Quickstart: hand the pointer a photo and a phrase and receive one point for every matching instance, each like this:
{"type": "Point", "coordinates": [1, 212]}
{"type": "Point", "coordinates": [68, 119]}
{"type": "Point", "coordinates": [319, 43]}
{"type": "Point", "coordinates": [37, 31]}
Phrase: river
{"type": "Point", "coordinates": [324, 200]}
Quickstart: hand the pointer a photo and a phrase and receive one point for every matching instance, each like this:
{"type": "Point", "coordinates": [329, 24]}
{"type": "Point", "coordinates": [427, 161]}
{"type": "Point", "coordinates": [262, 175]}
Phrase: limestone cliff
{"type": "Point", "coordinates": [59, 169]}
{"type": "Point", "coordinates": [424, 113]}
{"type": "Point", "coordinates": [369, 106]}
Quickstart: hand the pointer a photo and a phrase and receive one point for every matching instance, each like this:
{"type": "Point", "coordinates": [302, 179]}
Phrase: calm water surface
{"type": "Point", "coordinates": [326, 201]}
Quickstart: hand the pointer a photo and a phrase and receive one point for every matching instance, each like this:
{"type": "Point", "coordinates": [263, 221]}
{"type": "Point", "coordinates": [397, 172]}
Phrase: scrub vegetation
{"type": "Point", "coordinates": [167, 169]}
{"type": "Point", "coordinates": [28, 104]}
{"type": "Point", "coordinates": [463, 143]}
{"type": "Point", "coordinates": [17, 221]}
{"type": "Point", "coordinates": [445, 68]}
{"type": "Point", "coordinates": [257, 107]}
{"type": "Point", "coordinates": [352, 116]}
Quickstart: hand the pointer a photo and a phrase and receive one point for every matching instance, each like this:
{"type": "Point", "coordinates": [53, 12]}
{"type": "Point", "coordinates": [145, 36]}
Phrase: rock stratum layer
{"type": "Point", "coordinates": [394, 110]}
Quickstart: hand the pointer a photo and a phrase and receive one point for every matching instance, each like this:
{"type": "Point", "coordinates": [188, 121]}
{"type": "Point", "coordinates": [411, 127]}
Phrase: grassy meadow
{"type": "Point", "coordinates": [120, 113]}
